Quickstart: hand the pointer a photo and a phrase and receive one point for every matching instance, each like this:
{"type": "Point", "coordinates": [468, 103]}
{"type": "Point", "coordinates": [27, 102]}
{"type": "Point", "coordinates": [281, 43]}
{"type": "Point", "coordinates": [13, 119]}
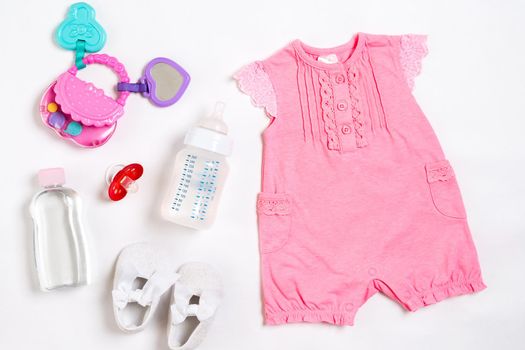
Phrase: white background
{"type": "Point", "coordinates": [472, 90]}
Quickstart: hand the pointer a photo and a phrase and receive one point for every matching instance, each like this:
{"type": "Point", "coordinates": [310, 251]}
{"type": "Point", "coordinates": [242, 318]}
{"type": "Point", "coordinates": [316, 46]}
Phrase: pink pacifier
{"type": "Point", "coordinates": [81, 112]}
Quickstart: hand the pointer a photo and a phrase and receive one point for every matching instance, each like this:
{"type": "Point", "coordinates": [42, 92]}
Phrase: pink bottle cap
{"type": "Point", "coordinates": [51, 177]}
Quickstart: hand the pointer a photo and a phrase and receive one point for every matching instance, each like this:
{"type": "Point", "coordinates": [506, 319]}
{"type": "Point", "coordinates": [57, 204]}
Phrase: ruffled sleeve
{"type": "Point", "coordinates": [413, 49]}
{"type": "Point", "coordinates": [253, 80]}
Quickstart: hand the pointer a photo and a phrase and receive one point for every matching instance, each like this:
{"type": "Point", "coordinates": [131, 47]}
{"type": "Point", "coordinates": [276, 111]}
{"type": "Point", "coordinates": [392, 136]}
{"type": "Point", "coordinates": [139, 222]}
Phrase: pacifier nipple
{"type": "Point", "coordinates": [122, 179]}
{"type": "Point", "coordinates": [129, 184]}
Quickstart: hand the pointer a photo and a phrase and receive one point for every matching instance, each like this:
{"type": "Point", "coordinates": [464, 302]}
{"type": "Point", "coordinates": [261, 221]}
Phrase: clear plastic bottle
{"type": "Point", "coordinates": [200, 171]}
{"type": "Point", "coordinates": [59, 243]}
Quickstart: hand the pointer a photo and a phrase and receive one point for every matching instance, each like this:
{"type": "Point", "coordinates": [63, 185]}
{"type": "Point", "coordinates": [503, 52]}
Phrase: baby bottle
{"type": "Point", "coordinates": [59, 244]}
{"type": "Point", "coordinates": [200, 172]}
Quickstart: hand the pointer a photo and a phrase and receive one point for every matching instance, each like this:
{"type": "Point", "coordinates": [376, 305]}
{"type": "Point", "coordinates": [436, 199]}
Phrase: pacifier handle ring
{"type": "Point", "coordinates": [114, 65]}
{"type": "Point", "coordinates": [111, 171]}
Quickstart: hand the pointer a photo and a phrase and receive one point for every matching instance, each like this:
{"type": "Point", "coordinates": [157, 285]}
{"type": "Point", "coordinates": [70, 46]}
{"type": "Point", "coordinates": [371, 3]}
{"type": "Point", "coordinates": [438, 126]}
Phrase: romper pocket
{"type": "Point", "coordinates": [444, 189]}
{"type": "Point", "coordinates": [274, 220]}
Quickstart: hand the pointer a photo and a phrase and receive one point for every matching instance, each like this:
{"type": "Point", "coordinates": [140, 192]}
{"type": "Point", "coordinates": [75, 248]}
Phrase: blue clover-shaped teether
{"type": "Point", "coordinates": [80, 24]}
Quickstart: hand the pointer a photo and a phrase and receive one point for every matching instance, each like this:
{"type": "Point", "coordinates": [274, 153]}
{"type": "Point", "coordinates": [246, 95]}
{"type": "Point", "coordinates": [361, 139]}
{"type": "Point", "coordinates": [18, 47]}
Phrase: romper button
{"type": "Point", "coordinates": [349, 306]}
{"type": "Point", "coordinates": [339, 79]}
{"type": "Point", "coordinates": [342, 105]}
{"type": "Point", "coordinates": [372, 271]}
{"type": "Point", "coordinates": [346, 129]}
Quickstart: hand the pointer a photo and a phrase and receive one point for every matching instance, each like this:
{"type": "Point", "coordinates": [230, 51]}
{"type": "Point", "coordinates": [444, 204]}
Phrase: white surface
{"type": "Point", "coordinates": [472, 90]}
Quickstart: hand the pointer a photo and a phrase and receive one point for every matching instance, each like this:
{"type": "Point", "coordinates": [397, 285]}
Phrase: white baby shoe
{"type": "Point", "coordinates": [194, 300]}
{"type": "Point", "coordinates": [142, 275]}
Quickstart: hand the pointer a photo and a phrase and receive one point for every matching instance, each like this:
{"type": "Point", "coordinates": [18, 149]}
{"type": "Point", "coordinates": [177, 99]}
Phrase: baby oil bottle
{"type": "Point", "coordinates": [59, 242]}
{"type": "Point", "coordinates": [200, 171]}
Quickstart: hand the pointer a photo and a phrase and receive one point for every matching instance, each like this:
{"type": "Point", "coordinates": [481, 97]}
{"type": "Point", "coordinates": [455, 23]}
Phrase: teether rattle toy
{"type": "Point", "coordinates": [122, 179]}
{"type": "Point", "coordinates": [79, 111]}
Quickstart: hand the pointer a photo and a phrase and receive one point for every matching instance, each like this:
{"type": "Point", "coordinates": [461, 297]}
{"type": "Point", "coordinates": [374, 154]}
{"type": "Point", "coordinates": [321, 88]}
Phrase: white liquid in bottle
{"type": "Point", "coordinates": [60, 249]}
{"type": "Point", "coordinates": [200, 172]}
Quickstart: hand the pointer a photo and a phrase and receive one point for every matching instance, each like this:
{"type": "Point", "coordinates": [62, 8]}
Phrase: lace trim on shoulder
{"type": "Point", "coordinates": [327, 106]}
{"type": "Point", "coordinates": [413, 50]}
{"type": "Point", "coordinates": [255, 82]}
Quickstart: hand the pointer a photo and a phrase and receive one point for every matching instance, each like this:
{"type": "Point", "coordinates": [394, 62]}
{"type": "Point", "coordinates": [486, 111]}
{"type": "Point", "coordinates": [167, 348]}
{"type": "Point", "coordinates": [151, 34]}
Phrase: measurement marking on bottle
{"type": "Point", "coordinates": [184, 182]}
{"type": "Point", "coordinates": [206, 188]}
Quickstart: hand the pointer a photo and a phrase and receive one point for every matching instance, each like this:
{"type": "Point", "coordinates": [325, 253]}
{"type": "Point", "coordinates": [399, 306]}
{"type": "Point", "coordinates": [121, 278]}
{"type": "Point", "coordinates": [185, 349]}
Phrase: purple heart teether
{"type": "Point", "coordinates": [164, 82]}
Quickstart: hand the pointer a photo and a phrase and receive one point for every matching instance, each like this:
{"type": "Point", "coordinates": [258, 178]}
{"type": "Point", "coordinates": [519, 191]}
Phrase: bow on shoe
{"type": "Point", "coordinates": [122, 298]}
{"type": "Point", "coordinates": [156, 285]}
{"type": "Point", "coordinates": [181, 309]}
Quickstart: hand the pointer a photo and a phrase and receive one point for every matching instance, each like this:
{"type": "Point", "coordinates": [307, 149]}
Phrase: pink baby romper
{"type": "Point", "coordinates": [357, 195]}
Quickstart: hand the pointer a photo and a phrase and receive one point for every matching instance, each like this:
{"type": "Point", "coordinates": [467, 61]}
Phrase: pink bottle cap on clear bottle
{"type": "Point", "coordinates": [51, 177]}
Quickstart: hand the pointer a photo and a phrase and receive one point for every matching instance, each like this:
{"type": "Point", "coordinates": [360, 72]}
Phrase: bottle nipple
{"type": "Point", "coordinates": [215, 120]}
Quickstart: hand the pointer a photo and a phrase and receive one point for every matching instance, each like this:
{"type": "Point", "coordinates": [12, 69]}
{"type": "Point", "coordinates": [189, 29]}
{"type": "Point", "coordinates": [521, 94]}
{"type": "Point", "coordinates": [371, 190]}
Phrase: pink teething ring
{"type": "Point", "coordinates": [86, 103]}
